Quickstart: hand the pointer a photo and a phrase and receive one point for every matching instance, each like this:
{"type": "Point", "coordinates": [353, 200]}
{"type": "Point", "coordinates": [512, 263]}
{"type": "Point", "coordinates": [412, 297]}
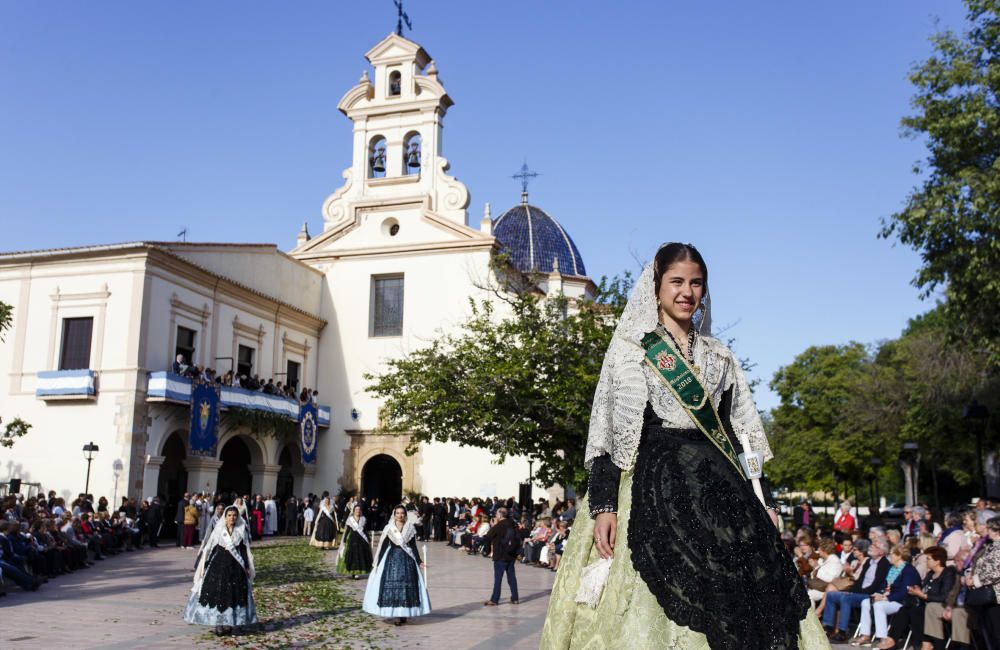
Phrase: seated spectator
{"type": "Point", "coordinates": [539, 538]}
{"type": "Point", "coordinates": [828, 568]}
{"type": "Point", "coordinates": [556, 544]}
{"type": "Point", "coordinates": [902, 575]}
{"type": "Point", "coordinates": [952, 538]}
{"type": "Point", "coordinates": [871, 580]}
{"type": "Point", "coordinates": [909, 620]}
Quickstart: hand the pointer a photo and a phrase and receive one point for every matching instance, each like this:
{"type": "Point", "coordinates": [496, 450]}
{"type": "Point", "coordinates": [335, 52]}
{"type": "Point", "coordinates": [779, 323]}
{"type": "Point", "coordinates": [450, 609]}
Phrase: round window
{"type": "Point", "coordinates": [393, 229]}
{"type": "Point", "coordinates": [390, 227]}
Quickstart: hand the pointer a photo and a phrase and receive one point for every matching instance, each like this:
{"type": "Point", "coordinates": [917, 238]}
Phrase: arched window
{"type": "Point", "coordinates": [395, 83]}
{"type": "Point", "coordinates": [376, 157]}
{"type": "Point", "coordinates": [411, 153]}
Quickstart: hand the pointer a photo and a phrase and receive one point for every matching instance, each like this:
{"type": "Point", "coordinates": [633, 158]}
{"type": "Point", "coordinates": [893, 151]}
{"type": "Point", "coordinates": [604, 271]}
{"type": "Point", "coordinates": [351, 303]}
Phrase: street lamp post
{"type": "Point", "coordinates": [876, 463]}
{"type": "Point", "coordinates": [89, 450]}
{"type": "Point", "coordinates": [975, 411]}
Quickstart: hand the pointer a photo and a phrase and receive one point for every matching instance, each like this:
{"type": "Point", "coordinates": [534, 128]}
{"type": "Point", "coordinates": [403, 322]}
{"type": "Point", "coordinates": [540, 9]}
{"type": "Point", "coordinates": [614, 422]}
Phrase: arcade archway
{"type": "Point", "coordinates": [172, 482]}
{"type": "Point", "coordinates": [234, 475]}
{"type": "Point", "coordinates": [382, 479]}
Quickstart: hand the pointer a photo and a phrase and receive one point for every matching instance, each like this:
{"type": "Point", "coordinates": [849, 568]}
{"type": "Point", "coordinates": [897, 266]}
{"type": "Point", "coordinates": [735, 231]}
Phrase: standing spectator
{"type": "Point", "coordinates": [179, 517]}
{"type": "Point", "coordinates": [440, 520]}
{"type": "Point", "coordinates": [291, 516]}
{"type": "Point", "coordinates": [153, 517]}
{"type": "Point", "coordinates": [803, 516]}
{"type": "Point", "coordinates": [190, 523]}
{"type": "Point", "coordinates": [504, 541]}
{"type": "Point", "coordinates": [308, 514]}
{"type": "Point", "coordinates": [845, 520]}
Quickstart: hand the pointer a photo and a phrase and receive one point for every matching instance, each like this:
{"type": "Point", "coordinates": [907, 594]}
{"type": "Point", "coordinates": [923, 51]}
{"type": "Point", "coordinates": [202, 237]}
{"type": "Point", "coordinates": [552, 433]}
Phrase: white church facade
{"type": "Point", "coordinates": [96, 328]}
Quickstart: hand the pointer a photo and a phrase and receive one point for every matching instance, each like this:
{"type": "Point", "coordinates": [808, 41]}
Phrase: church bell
{"type": "Point", "coordinates": [378, 160]}
{"type": "Point", "coordinates": [413, 157]}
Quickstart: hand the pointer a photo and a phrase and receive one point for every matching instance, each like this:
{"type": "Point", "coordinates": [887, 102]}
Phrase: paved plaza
{"type": "Point", "coordinates": [135, 600]}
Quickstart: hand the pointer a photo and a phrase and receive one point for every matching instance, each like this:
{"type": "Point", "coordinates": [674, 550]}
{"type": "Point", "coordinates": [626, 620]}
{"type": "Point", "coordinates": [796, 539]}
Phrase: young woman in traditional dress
{"type": "Point", "coordinates": [355, 550]}
{"type": "Point", "coordinates": [396, 587]}
{"type": "Point", "coordinates": [223, 580]}
{"type": "Point", "coordinates": [326, 527]}
{"type": "Point", "coordinates": [680, 549]}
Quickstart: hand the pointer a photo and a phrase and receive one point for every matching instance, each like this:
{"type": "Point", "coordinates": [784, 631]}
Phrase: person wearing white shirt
{"type": "Point", "coordinates": [307, 518]}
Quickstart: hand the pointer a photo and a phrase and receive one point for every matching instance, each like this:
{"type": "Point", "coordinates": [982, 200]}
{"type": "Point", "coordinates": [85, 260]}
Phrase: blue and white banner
{"type": "Point", "coordinates": [53, 383]}
{"type": "Point", "coordinates": [204, 419]}
{"type": "Point", "coordinates": [167, 385]}
{"type": "Point", "coordinates": [308, 432]}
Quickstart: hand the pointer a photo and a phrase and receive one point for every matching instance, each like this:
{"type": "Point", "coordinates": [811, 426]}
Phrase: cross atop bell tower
{"type": "Point", "coordinates": [397, 114]}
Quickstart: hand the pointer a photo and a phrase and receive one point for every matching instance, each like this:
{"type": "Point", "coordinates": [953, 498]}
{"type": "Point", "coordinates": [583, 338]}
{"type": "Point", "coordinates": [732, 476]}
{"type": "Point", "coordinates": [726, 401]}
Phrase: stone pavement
{"type": "Point", "coordinates": [135, 600]}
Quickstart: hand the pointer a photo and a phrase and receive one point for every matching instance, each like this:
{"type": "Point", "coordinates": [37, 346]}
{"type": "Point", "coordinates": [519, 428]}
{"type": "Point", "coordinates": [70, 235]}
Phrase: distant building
{"type": "Point", "coordinates": [97, 328]}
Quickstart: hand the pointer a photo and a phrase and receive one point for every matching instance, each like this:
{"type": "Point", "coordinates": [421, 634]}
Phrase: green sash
{"type": "Point", "coordinates": [686, 387]}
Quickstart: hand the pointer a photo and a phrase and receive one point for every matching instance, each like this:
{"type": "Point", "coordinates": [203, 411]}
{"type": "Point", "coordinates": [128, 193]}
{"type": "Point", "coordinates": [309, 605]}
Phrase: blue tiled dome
{"type": "Point", "coordinates": [533, 239]}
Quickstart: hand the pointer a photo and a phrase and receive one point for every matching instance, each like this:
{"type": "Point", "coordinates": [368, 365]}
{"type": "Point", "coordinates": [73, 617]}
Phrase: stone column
{"type": "Point", "coordinates": [304, 481]}
{"type": "Point", "coordinates": [203, 474]}
{"type": "Point", "coordinates": [151, 475]}
{"type": "Point", "coordinates": [265, 478]}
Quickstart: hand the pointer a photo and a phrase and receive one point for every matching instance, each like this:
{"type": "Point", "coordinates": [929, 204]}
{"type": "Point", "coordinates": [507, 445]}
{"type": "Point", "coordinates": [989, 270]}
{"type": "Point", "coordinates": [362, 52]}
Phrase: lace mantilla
{"type": "Point", "coordinates": [627, 383]}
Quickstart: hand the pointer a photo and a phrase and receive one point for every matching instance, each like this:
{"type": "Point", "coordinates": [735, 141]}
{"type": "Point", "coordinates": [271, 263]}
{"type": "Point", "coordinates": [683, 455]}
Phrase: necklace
{"type": "Point", "coordinates": [689, 357]}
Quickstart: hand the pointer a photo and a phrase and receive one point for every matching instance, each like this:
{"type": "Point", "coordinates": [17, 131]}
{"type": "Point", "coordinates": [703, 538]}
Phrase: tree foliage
{"type": "Point", "coordinates": [842, 405]}
{"type": "Point", "coordinates": [17, 427]}
{"type": "Point", "coordinates": [953, 218]}
{"type": "Point", "coordinates": [517, 378]}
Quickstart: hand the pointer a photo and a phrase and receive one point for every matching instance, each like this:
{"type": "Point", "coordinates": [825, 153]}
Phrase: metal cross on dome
{"type": "Point", "coordinates": [402, 18]}
{"type": "Point", "coordinates": [525, 176]}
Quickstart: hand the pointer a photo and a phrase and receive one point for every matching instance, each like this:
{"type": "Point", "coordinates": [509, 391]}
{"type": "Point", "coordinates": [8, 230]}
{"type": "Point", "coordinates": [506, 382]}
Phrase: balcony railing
{"type": "Point", "coordinates": [168, 387]}
{"type": "Point", "coordinates": [65, 385]}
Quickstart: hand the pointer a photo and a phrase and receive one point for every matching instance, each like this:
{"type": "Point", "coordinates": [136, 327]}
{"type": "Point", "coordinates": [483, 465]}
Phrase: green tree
{"type": "Point", "coordinates": [953, 218]}
{"type": "Point", "coordinates": [517, 378]}
{"type": "Point", "coordinates": [809, 434]}
{"type": "Point", "coordinates": [17, 427]}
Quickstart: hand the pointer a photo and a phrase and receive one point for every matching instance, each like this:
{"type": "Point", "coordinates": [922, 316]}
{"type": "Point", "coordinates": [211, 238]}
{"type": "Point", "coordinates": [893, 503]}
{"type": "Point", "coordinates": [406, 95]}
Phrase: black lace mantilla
{"type": "Point", "coordinates": [706, 548]}
{"type": "Point", "coordinates": [225, 585]}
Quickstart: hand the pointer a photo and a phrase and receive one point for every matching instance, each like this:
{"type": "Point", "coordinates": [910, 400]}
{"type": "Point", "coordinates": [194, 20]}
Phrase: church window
{"type": "Point", "coordinates": [292, 369]}
{"type": "Point", "coordinates": [395, 83]}
{"type": "Point", "coordinates": [386, 310]}
{"type": "Point", "coordinates": [411, 153]}
{"type": "Point", "coordinates": [390, 227]}
{"type": "Point", "coordinates": [76, 336]}
{"type": "Point", "coordinates": [244, 360]}
{"type": "Point", "coordinates": [376, 157]}
{"type": "Point", "coordinates": [185, 343]}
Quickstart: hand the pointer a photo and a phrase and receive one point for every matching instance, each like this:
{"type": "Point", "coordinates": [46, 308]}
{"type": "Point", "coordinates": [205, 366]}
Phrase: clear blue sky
{"type": "Point", "coordinates": [767, 133]}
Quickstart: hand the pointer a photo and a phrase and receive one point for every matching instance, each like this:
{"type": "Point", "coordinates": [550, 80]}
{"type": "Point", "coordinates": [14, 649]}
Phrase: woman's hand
{"type": "Point", "coordinates": [605, 532]}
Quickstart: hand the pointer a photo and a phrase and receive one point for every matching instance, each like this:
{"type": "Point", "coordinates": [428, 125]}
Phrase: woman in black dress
{"type": "Point", "coordinates": [355, 551]}
{"type": "Point", "coordinates": [396, 588]}
{"type": "Point", "coordinates": [223, 581]}
{"type": "Point", "coordinates": [325, 531]}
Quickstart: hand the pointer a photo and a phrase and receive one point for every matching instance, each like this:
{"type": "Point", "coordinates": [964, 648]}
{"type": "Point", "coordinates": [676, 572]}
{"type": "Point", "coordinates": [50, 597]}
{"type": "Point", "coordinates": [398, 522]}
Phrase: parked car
{"type": "Point", "coordinates": [894, 511]}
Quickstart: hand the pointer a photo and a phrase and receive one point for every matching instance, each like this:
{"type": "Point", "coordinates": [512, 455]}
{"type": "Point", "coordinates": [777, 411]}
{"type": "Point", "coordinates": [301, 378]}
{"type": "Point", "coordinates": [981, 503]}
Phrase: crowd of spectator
{"type": "Point", "coordinates": [928, 584]}
{"type": "Point", "coordinates": [41, 537]}
{"type": "Point", "coordinates": [249, 382]}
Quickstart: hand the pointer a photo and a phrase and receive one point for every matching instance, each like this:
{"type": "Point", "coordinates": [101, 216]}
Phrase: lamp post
{"type": "Point", "coordinates": [975, 411]}
{"type": "Point", "coordinates": [909, 460]}
{"type": "Point", "coordinates": [89, 450]}
{"type": "Point", "coordinates": [876, 463]}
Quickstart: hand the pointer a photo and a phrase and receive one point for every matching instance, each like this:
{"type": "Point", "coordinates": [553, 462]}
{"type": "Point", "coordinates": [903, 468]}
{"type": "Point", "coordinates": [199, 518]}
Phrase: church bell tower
{"type": "Point", "coordinates": [397, 115]}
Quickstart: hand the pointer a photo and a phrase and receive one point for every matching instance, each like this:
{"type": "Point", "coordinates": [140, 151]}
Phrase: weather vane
{"type": "Point", "coordinates": [401, 18]}
{"type": "Point", "coordinates": [525, 176]}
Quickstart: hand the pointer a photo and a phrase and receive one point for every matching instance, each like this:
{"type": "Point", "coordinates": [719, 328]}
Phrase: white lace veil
{"type": "Point", "coordinates": [221, 536]}
{"type": "Point", "coordinates": [620, 398]}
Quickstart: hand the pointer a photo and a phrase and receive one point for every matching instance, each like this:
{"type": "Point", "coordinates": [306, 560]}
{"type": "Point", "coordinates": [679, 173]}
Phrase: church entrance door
{"type": "Point", "coordinates": [234, 475]}
{"type": "Point", "coordinates": [382, 479]}
{"type": "Point", "coordinates": [173, 481]}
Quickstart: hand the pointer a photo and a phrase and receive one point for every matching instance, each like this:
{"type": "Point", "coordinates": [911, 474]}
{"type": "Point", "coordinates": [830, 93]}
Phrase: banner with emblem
{"type": "Point", "coordinates": [204, 437]}
{"type": "Point", "coordinates": [307, 432]}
